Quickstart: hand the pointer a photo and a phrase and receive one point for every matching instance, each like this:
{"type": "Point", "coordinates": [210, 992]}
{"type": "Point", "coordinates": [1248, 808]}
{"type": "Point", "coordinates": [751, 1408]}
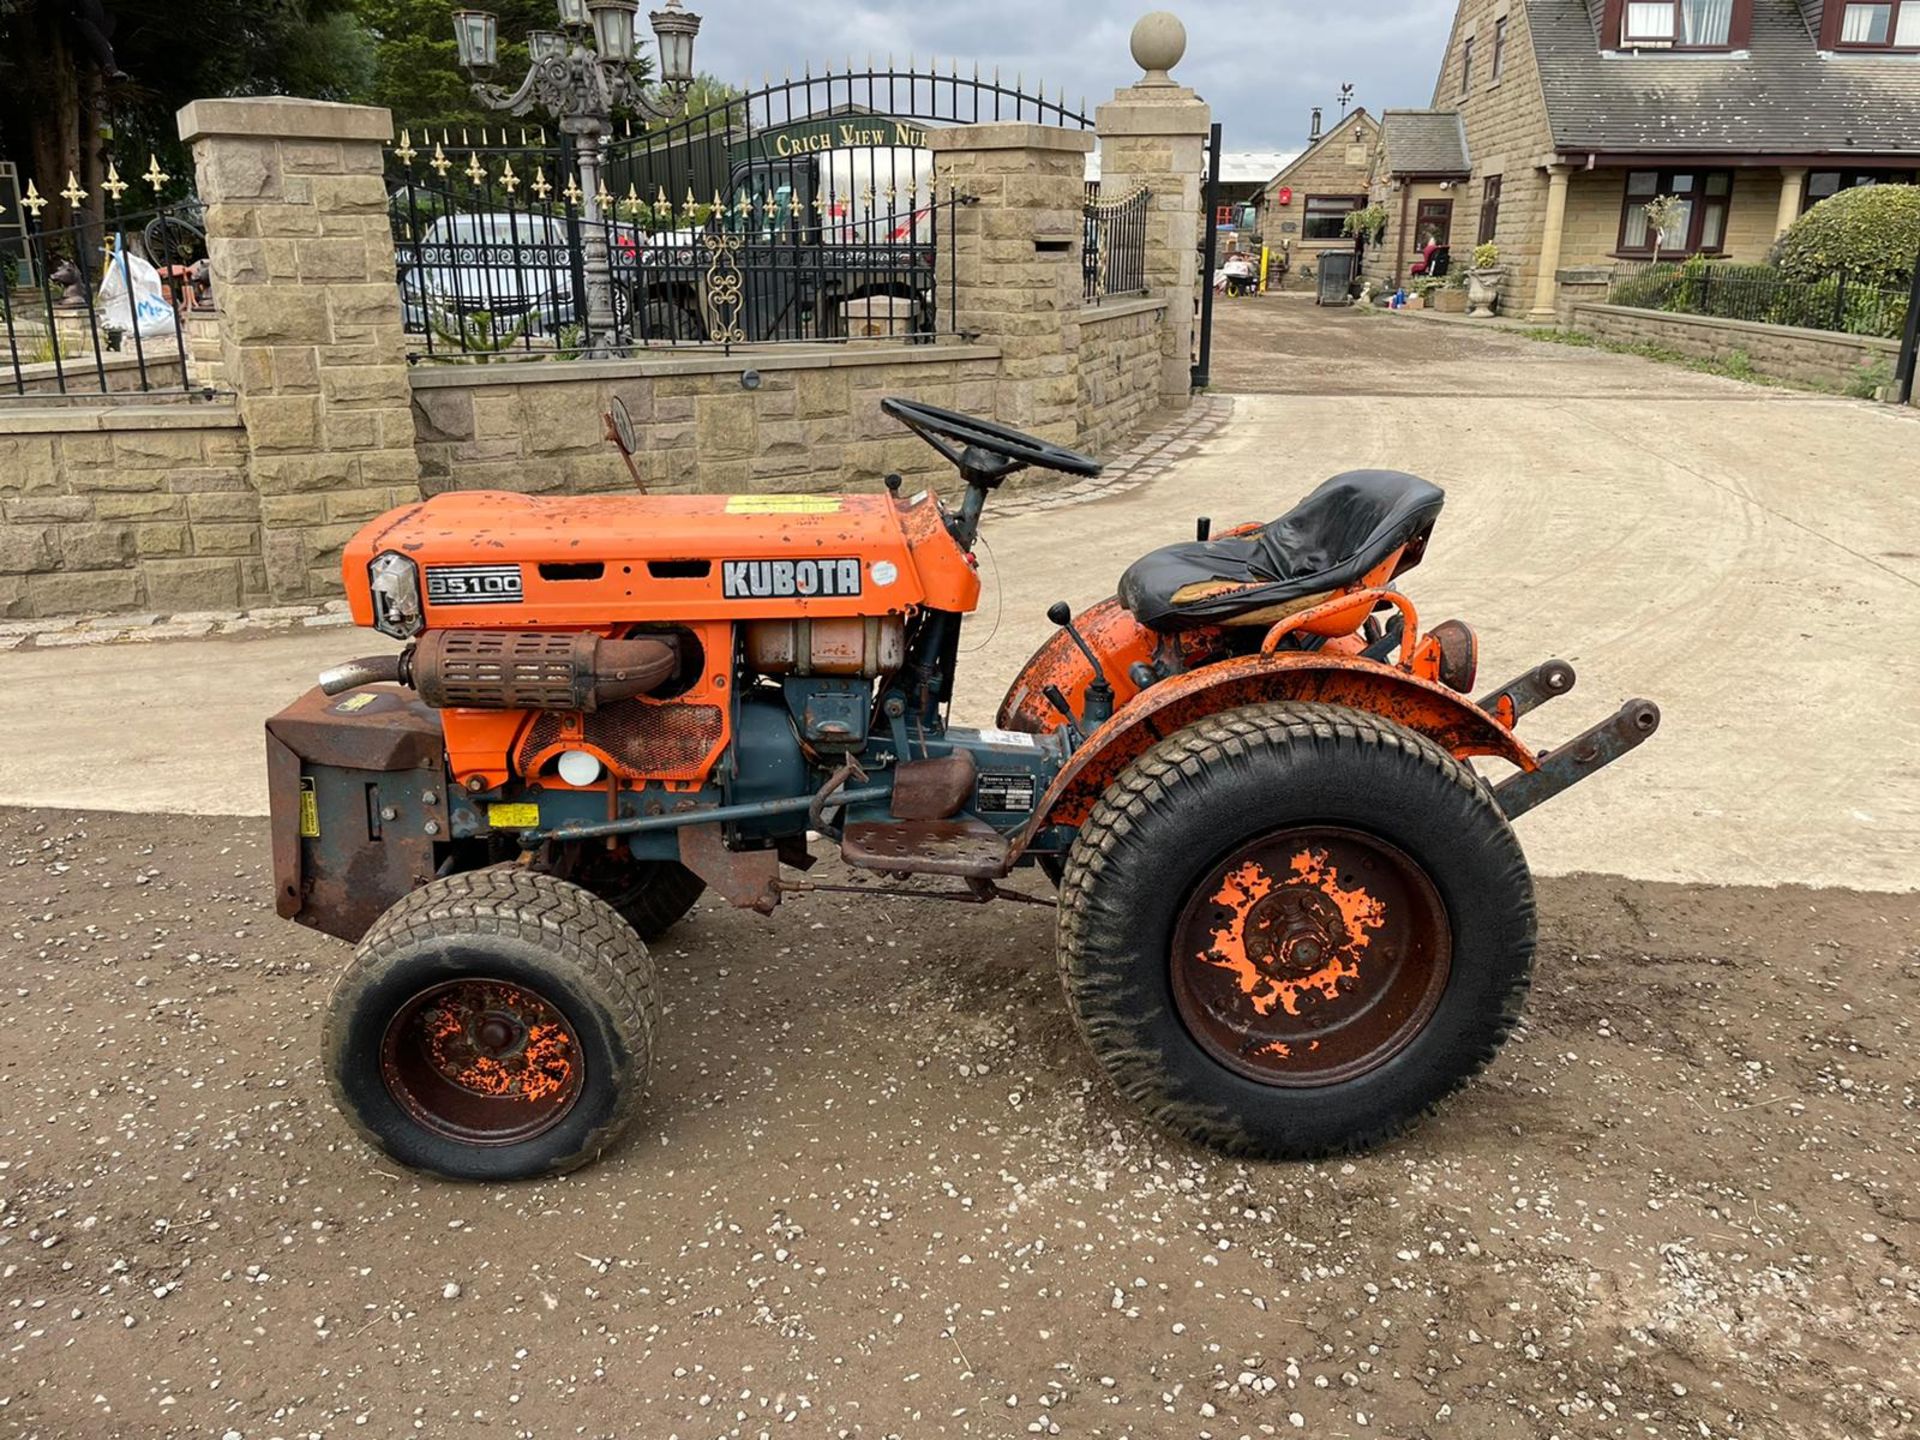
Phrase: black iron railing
{"type": "Point", "coordinates": [492, 244]}
{"type": "Point", "coordinates": [1114, 259]}
{"type": "Point", "coordinates": [1761, 294]}
{"type": "Point", "coordinates": [100, 307]}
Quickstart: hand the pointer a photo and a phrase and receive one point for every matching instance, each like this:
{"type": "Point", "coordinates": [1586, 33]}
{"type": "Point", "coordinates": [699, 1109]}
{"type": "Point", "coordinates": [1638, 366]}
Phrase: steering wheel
{"type": "Point", "coordinates": [985, 439]}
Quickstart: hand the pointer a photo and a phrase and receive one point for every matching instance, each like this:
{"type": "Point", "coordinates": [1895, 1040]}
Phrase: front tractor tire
{"type": "Point", "coordinates": [1291, 930]}
{"type": "Point", "coordinates": [496, 1025]}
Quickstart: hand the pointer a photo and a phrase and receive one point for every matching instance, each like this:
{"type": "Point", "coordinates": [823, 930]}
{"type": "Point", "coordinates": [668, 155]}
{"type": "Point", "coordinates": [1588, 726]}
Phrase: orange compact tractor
{"type": "Point", "coordinates": [1292, 916]}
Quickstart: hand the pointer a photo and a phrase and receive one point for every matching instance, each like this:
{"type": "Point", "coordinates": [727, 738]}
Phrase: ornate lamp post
{"type": "Point", "coordinates": [580, 75]}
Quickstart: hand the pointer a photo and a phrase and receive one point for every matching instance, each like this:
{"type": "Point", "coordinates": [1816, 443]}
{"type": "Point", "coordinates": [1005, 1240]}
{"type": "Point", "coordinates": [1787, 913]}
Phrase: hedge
{"type": "Point", "coordinates": [1871, 234]}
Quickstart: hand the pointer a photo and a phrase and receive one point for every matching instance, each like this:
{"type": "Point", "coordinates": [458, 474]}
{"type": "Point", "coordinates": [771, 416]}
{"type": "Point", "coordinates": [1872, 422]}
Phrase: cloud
{"type": "Point", "coordinates": [1262, 65]}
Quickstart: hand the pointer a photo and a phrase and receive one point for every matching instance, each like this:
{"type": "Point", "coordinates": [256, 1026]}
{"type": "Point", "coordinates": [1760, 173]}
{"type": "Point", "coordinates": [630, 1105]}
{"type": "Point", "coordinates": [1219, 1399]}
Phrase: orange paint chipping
{"type": "Point", "coordinates": [1335, 956]}
{"type": "Point", "coordinates": [542, 1068]}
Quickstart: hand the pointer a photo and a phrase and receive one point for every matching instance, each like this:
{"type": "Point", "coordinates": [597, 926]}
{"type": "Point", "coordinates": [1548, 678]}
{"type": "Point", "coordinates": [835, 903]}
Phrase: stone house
{"type": "Point", "coordinates": [1420, 172]}
{"type": "Point", "coordinates": [1572, 114]}
{"type": "Point", "coordinates": [1303, 208]}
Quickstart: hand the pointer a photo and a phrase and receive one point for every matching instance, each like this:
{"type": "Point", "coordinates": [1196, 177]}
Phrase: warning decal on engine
{"type": "Point", "coordinates": [784, 579]}
{"type": "Point", "coordinates": [513, 817]}
{"type": "Point", "coordinates": [784, 505]}
{"type": "Point", "coordinates": [309, 810]}
{"type": "Point", "coordinates": [1007, 794]}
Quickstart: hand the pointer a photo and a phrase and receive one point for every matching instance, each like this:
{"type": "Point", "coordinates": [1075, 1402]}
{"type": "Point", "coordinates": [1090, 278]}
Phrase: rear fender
{"type": "Point", "coordinates": [1454, 723]}
{"type": "Point", "coordinates": [1117, 638]}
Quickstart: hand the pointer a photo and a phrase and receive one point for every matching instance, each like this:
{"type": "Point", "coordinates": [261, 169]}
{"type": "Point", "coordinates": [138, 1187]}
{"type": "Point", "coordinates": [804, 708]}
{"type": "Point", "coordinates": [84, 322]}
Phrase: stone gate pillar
{"type": "Point", "coordinates": [301, 252]}
{"type": "Point", "coordinates": [1154, 133]}
{"type": "Point", "coordinates": [1013, 275]}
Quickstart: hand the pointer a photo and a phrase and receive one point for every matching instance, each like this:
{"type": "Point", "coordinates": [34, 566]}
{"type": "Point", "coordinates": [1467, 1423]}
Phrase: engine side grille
{"type": "Point", "coordinates": [641, 739]}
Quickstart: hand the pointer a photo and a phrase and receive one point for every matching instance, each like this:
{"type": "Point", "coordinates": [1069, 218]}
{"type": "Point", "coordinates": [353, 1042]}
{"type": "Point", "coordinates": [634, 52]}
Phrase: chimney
{"type": "Point", "coordinates": [1314, 134]}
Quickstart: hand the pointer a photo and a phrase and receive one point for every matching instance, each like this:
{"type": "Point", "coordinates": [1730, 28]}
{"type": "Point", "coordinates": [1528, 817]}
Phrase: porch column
{"type": "Point", "coordinates": [1793, 192]}
{"type": "Point", "coordinates": [1543, 308]}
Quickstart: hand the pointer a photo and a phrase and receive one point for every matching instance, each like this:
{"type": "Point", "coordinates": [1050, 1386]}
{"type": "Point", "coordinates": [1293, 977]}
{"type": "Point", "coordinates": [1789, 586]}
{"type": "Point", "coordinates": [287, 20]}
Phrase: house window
{"type": "Point", "coordinates": [1433, 225]}
{"type": "Point", "coordinates": [1825, 184]}
{"type": "Point", "coordinates": [1888, 25]}
{"type": "Point", "coordinates": [1326, 216]}
{"type": "Point", "coordinates": [1684, 24]}
{"type": "Point", "coordinates": [1466, 65]}
{"type": "Point", "coordinates": [1490, 210]}
{"type": "Point", "coordinates": [1499, 49]}
{"type": "Point", "coordinates": [1700, 225]}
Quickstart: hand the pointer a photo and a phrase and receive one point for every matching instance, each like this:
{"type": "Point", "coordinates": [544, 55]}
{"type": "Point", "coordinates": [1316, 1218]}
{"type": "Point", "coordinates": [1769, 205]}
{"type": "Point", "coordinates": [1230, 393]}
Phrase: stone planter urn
{"type": "Point", "coordinates": [1483, 291]}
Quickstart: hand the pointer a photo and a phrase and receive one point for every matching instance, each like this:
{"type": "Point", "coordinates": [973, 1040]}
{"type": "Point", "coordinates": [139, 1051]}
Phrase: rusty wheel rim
{"type": "Point", "coordinates": [1310, 956]}
{"type": "Point", "coordinates": [483, 1062]}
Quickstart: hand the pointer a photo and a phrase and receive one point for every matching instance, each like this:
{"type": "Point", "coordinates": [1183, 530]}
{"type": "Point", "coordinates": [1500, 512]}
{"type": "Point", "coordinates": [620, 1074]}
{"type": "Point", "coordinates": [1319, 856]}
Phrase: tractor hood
{"type": "Point", "coordinates": [495, 560]}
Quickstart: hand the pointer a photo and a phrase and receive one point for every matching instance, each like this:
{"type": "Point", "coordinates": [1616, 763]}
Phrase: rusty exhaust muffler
{"type": "Point", "coordinates": [517, 670]}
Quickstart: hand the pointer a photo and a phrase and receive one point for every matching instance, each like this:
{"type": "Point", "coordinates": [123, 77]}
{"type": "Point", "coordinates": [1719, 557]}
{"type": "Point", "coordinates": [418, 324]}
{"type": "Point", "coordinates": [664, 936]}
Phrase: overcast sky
{"type": "Point", "coordinates": [1261, 63]}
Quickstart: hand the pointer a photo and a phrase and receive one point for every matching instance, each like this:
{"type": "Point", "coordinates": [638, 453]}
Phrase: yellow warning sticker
{"type": "Point", "coordinates": [784, 505]}
{"type": "Point", "coordinates": [309, 810]}
{"type": "Point", "coordinates": [354, 704]}
{"type": "Point", "coordinates": [514, 817]}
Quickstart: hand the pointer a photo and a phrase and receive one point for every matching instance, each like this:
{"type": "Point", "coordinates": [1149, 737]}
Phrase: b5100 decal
{"type": "Point", "coordinates": [474, 585]}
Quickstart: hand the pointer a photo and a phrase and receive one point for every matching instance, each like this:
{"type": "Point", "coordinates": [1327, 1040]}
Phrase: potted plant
{"type": "Point", "coordinates": [1449, 296]}
{"type": "Point", "coordinates": [1483, 281]}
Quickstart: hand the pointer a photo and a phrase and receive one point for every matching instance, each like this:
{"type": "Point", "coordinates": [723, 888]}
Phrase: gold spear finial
{"type": "Point", "coordinates": [404, 151]}
{"type": "Point", "coordinates": [73, 194]}
{"type": "Point", "coordinates": [113, 184]}
{"type": "Point", "coordinates": [540, 186]}
{"type": "Point", "coordinates": [476, 172]}
{"type": "Point", "coordinates": [155, 176]}
{"type": "Point", "coordinates": [509, 181]}
{"type": "Point", "coordinates": [440, 164]}
{"type": "Point", "coordinates": [33, 201]}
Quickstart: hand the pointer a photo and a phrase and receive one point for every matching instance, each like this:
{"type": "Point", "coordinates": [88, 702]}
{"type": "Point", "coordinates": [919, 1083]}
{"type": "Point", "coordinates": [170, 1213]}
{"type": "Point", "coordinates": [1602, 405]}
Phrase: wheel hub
{"type": "Point", "coordinates": [1310, 956]}
{"type": "Point", "coordinates": [482, 1061]}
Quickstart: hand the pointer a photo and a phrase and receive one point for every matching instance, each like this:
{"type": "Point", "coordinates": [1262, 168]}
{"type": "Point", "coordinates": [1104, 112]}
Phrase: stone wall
{"type": "Point", "coordinates": [1596, 200]}
{"type": "Point", "coordinates": [1507, 135]}
{"type": "Point", "coordinates": [1119, 369]}
{"type": "Point", "coordinates": [198, 507]}
{"type": "Point", "coordinates": [141, 508]}
{"type": "Point", "coordinates": [1812, 357]}
{"type": "Point", "coordinates": [813, 423]}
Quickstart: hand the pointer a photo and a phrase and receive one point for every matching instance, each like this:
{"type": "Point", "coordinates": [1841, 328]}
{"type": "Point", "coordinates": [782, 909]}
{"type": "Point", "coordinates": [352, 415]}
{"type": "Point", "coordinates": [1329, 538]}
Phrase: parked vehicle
{"type": "Point", "coordinates": [818, 235]}
{"type": "Point", "coordinates": [1292, 917]}
{"type": "Point", "coordinates": [510, 270]}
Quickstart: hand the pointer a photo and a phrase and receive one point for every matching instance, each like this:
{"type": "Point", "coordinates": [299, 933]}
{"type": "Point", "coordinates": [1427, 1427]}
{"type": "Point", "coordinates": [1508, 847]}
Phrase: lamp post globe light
{"type": "Point", "coordinates": [580, 75]}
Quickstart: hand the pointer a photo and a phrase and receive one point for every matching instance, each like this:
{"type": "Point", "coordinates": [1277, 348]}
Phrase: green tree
{"type": "Point", "coordinates": [86, 83]}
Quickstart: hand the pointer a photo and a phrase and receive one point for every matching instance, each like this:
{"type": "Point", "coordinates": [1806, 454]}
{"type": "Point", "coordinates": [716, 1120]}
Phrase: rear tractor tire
{"type": "Point", "coordinates": [496, 1025]}
{"type": "Point", "coordinates": [1291, 930]}
{"type": "Point", "coordinates": [652, 895]}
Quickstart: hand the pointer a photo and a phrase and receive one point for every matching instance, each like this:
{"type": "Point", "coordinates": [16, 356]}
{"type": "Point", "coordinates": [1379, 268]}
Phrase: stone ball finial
{"type": "Point", "coordinates": [1159, 42]}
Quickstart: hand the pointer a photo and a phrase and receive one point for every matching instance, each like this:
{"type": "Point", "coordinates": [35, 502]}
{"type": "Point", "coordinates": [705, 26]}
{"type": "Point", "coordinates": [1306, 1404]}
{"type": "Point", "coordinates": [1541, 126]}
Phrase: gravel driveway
{"type": "Point", "coordinates": [881, 1191]}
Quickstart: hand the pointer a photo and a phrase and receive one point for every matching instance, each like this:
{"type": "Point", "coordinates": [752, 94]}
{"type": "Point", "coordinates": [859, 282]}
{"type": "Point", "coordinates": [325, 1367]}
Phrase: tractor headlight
{"type": "Point", "coordinates": [395, 582]}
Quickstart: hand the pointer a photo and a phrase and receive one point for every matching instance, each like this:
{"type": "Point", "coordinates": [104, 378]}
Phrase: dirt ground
{"type": "Point", "coordinates": [881, 1191]}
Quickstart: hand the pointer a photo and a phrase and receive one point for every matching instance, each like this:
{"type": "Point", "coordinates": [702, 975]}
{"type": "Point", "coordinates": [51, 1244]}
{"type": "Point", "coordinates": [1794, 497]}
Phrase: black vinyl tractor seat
{"type": "Point", "coordinates": [1325, 544]}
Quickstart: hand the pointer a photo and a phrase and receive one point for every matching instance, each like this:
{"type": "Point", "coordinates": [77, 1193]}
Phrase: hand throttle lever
{"type": "Point", "coordinates": [1099, 702]}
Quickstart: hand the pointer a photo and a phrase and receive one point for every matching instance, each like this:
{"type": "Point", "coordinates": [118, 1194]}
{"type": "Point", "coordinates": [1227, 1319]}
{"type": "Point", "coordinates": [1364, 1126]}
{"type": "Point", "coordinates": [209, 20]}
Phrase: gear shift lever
{"type": "Point", "coordinates": [1099, 706]}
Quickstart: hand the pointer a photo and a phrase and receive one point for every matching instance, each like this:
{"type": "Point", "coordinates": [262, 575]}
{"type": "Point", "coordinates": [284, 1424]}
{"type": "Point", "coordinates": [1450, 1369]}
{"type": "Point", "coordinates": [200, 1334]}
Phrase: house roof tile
{"type": "Point", "coordinates": [1425, 142]}
{"type": "Point", "coordinates": [1781, 96]}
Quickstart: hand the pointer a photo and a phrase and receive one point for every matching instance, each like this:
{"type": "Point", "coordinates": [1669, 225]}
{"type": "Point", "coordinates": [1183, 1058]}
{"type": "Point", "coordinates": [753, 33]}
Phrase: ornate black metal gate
{"type": "Point", "coordinates": [1209, 262]}
{"type": "Point", "coordinates": [805, 210]}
